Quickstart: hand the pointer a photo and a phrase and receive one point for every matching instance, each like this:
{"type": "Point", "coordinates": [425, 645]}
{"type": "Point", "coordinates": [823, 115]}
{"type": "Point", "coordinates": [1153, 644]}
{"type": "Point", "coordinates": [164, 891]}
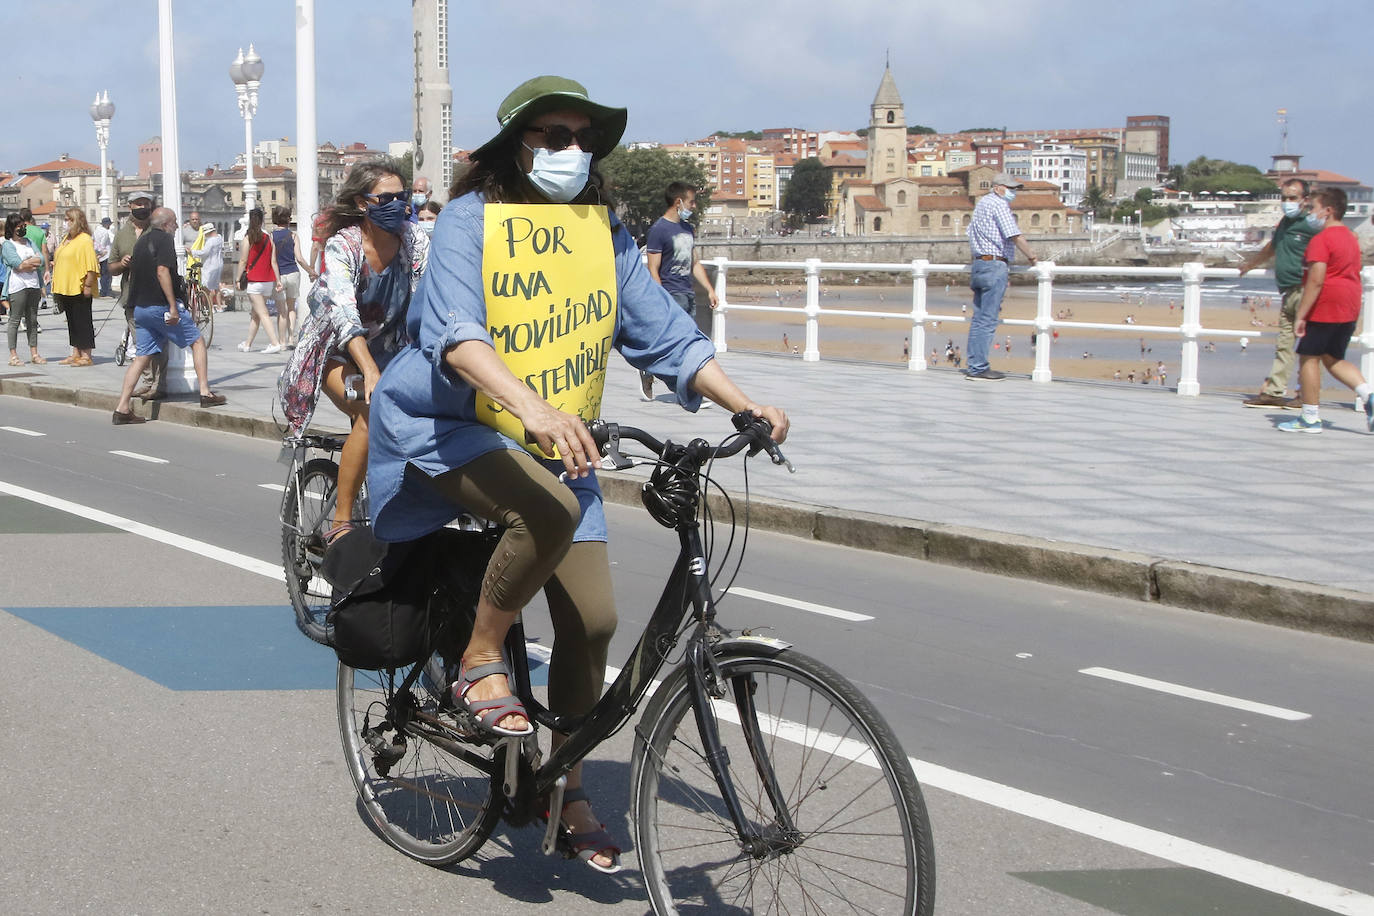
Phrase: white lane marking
{"type": "Point", "coordinates": [1192, 693]}
{"type": "Point", "coordinates": [799, 605]}
{"type": "Point", "coordinates": [1071, 817]}
{"type": "Point", "coordinates": [21, 431]}
{"type": "Point", "coordinates": [273, 486]}
{"type": "Point", "coordinates": [137, 457]}
{"type": "Point", "coordinates": [209, 551]}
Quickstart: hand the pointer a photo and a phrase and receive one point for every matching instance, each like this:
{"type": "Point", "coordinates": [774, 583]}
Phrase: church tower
{"type": "Point", "coordinates": [887, 133]}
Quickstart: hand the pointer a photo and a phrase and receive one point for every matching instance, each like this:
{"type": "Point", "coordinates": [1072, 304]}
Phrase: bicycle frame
{"type": "Point", "coordinates": [687, 591]}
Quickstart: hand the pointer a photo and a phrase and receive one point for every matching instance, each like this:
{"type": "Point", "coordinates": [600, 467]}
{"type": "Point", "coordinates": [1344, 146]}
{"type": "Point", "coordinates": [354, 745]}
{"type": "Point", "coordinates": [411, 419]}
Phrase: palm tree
{"type": "Point", "coordinates": [1095, 201]}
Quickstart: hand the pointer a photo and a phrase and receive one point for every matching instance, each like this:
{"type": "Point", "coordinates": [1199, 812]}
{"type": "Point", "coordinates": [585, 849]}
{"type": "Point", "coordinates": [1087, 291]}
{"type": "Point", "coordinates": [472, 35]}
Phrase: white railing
{"type": "Point", "coordinates": [1045, 323]}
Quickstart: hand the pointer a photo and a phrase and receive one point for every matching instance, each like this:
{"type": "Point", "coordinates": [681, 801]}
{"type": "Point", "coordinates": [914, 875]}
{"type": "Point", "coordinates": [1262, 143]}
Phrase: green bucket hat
{"type": "Point", "coordinates": [553, 93]}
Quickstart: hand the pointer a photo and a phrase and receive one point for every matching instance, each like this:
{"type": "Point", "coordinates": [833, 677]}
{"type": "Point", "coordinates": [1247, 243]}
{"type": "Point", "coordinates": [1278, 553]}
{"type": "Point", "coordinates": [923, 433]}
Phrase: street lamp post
{"type": "Point", "coordinates": [102, 110]}
{"type": "Point", "coordinates": [246, 72]}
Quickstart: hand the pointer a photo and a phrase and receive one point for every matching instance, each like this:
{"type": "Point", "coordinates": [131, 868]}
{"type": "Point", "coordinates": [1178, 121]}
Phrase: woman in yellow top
{"type": "Point", "coordinates": [76, 270]}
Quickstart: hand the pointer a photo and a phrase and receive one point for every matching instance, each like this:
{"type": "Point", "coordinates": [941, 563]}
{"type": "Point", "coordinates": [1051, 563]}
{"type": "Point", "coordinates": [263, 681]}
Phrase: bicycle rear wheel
{"type": "Point", "coordinates": [862, 836]}
{"type": "Point", "coordinates": [437, 804]}
{"type": "Point", "coordinates": [203, 313]}
{"type": "Point", "coordinates": [306, 512]}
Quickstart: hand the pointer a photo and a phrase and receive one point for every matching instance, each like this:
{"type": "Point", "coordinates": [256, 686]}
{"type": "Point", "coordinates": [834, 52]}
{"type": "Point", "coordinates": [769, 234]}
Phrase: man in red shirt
{"type": "Point", "coordinates": [1328, 311]}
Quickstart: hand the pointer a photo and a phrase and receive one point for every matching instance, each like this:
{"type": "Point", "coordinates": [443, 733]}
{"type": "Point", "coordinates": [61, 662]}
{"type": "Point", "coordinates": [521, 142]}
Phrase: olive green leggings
{"type": "Point", "coordinates": [540, 514]}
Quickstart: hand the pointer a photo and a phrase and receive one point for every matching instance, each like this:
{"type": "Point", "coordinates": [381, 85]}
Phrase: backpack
{"type": "Point", "coordinates": [395, 604]}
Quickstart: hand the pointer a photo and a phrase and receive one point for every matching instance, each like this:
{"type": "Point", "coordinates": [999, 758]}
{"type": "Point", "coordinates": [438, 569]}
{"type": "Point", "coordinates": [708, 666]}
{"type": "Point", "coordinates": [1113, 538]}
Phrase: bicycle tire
{"type": "Point", "coordinates": [863, 831]}
{"type": "Point", "coordinates": [435, 806]}
{"type": "Point", "coordinates": [203, 313]}
{"type": "Point", "coordinates": [302, 553]}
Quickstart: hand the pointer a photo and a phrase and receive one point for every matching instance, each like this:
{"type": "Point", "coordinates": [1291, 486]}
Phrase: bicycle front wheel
{"type": "Point", "coordinates": [437, 804]}
{"type": "Point", "coordinates": [306, 511]}
{"type": "Point", "coordinates": [203, 313]}
{"type": "Point", "coordinates": [821, 778]}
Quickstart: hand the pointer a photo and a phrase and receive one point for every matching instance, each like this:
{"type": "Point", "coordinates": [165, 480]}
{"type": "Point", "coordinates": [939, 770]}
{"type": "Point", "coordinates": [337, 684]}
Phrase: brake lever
{"type": "Point", "coordinates": [612, 460]}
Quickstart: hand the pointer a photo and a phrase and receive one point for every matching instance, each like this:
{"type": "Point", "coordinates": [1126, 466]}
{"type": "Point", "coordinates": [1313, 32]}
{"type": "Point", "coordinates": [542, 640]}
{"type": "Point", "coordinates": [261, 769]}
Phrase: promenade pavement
{"type": "Point", "coordinates": [1192, 501]}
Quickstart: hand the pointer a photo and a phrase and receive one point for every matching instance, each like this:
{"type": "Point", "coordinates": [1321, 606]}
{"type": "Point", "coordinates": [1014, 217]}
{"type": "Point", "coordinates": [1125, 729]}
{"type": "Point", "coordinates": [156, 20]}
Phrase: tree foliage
{"type": "Point", "coordinates": [982, 130]}
{"type": "Point", "coordinates": [638, 178]}
{"type": "Point", "coordinates": [740, 134]}
{"type": "Point", "coordinates": [806, 193]}
{"type": "Point", "coordinates": [1095, 202]}
{"type": "Point", "coordinates": [920, 129]}
{"type": "Point", "coordinates": [1213, 175]}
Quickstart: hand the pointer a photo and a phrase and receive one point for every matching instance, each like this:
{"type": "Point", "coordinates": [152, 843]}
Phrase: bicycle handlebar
{"type": "Point", "coordinates": [754, 433]}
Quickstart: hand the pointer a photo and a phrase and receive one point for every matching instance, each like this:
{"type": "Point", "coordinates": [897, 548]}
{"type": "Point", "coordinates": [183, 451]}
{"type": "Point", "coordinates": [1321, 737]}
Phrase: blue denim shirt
{"type": "Point", "coordinates": [423, 414]}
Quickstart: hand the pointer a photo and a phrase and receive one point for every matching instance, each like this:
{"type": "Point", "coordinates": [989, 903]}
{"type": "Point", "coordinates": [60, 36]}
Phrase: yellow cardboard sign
{"type": "Point", "coordinates": [549, 276]}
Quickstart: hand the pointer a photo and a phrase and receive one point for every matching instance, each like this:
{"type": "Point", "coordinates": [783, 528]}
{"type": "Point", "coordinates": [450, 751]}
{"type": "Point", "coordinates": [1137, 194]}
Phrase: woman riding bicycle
{"type": "Point", "coordinates": [434, 457]}
{"type": "Point", "coordinates": [373, 259]}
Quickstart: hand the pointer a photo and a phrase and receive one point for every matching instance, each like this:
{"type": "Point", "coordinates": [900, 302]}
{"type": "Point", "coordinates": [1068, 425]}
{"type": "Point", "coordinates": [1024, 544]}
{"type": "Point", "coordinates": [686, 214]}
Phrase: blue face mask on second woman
{"type": "Point", "coordinates": [389, 217]}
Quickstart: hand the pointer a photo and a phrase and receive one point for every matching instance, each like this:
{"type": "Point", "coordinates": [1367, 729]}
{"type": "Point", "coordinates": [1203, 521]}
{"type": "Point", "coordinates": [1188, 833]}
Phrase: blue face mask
{"type": "Point", "coordinates": [683, 213]}
{"type": "Point", "coordinates": [389, 217]}
{"type": "Point", "coordinates": [1315, 222]}
{"type": "Point", "coordinates": [1010, 195]}
{"type": "Point", "coordinates": [419, 199]}
{"type": "Point", "coordinates": [1291, 208]}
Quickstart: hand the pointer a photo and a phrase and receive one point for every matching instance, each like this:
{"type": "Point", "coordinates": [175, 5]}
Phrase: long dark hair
{"type": "Point", "coordinates": [501, 180]}
{"type": "Point", "coordinates": [13, 221]}
{"type": "Point", "coordinates": [254, 234]}
{"type": "Point", "coordinates": [359, 183]}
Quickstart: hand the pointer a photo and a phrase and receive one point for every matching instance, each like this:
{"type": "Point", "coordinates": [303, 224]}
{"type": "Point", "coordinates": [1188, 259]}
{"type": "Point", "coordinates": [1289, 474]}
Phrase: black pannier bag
{"type": "Point", "coordinates": [396, 603]}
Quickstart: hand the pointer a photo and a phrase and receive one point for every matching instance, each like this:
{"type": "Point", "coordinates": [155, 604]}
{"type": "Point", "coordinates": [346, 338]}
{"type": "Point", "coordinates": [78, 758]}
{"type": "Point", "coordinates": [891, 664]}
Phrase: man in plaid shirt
{"type": "Point", "coordinates": [994, 236]}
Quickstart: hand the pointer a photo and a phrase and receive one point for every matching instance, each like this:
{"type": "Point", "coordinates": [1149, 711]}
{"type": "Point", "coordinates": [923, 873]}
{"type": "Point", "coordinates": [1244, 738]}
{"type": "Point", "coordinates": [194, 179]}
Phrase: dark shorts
{"type": "Point", "coordinates": [1325, 338]}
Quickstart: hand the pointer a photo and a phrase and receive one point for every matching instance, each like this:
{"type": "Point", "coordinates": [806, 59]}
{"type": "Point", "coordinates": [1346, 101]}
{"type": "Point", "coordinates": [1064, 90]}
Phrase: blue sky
{"type": "Point", "coordinates": [1218, 68]}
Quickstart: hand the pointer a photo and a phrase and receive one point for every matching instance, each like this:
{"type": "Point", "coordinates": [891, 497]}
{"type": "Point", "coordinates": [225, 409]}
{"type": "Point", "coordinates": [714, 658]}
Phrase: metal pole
{"type": "Point", "coordinates": [1044, 338]}
{"type": "Point", "coordinates": [718, 316]}
{"type": "Point", "coordinates": [1188, 385]}
{"type": "Point", "coordinates": [307, 147]}
{"type": "Point", "coordinates": [180, 372]}
{"type": "Point", "coordinates": [812, 353]}
{"type": "Point", "coordinates": [916, 353]}
{"type": "Point", "coordinates": [248, 105]}
{"type": "Point", "coordinates": [102, 136]}
{"type": "Point", "coordinates": [171, 158]}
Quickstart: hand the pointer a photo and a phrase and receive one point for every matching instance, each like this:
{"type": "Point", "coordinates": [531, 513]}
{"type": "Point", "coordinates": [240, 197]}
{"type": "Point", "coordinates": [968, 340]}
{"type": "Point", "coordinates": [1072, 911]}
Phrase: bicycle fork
{"type": "Point", "coordinates": [706, 683]}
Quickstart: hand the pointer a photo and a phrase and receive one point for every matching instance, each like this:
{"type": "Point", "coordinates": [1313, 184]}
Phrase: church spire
{"type": "Point", "coordinates": [888, 96]}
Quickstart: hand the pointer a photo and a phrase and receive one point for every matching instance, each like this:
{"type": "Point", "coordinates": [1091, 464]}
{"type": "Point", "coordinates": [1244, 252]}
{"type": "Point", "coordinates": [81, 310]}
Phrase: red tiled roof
{"type": "Point", "coordinates": [938, 180]}
{"type": "Point", "coordinates": [58, 165]}
{"type": "Point", "coordinates": [869, 202]}
{"type": "Point", "coordinates": [844, 161]}
{"type": "Point", "coordinates": [1037, 202]}
{"type": "Point", "coordinates": [945, 202]}
{"type": "Point", "coordinates": [47, 209]}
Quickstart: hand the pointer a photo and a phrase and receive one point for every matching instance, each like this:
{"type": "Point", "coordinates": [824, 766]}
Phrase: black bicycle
{"type": "Point", "coordinates": [761, 780]}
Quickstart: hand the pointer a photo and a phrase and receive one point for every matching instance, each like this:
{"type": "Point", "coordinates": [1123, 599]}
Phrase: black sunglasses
{"type": "Point", "coordinates": [559, 137]}
{"type": "Point", "coordinates": [387, 197]}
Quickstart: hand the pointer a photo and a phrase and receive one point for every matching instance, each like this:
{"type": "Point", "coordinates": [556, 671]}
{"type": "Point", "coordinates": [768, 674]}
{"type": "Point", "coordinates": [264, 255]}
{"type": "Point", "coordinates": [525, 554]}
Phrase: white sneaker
{"type": "Point", "coordinates": [243, 346]}
{"type": "Point", "coordinates": [272, 348]}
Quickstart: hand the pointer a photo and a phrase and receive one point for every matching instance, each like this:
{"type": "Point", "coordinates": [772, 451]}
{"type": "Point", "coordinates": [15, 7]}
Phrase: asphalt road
{"type": "Point", "coordinates": [171, 744]}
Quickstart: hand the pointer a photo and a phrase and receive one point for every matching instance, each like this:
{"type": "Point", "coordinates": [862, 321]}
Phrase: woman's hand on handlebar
{"type": "Point", "coordinates": [776, 418]}
{"type": "Point", "coordinates": [551, 428]}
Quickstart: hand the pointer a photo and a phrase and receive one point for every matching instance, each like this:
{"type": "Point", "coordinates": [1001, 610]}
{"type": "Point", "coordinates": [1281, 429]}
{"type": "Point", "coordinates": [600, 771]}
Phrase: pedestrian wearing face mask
{"type": "Point", "coordinates": [419, 196]}
{"type": "Point", "coordinates": [672, 261]}
{"type": "Point", "coordinates": [994, 237]}
{"type": "Point", "coordinates": [455, 412]}
{"type": "Point", "coordinates": [153, 384]}
{"type": "Point", "coordinates": [1286, 248]}
{"type": "Point", "coordinates": [1328, 311]}
{"type": "Point", "coordinates": [373, 259]}
{"type": "Point", "coordinates": [429, 214]}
